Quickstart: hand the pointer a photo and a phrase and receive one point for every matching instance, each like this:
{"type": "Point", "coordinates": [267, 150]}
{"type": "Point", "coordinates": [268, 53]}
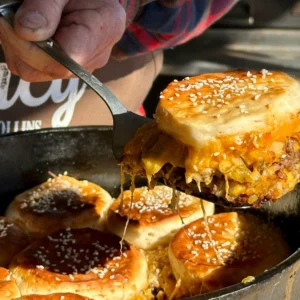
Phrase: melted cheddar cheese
{"type": "Point", "coordinates": [254, 165]}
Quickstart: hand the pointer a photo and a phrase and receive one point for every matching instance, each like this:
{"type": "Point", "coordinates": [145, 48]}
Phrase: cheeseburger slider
{"type": "Point", "coordinates": [232, 135]}
{"type": "Point", "coordinates": [86, 261]}
{"type": "Point", "coordinates": [239, 247]}
{"type": "Point", "coordinates": [59, 203]}
{"type": "Point", "coordinates": [152, 222]}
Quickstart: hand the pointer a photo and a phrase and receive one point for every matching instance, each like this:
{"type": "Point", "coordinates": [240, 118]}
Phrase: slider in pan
{"type": "Point", "coordinates": [152, 223]}
{"type": "Point", "coordinates": [60, 202]}
{"type": "Point", "coordinates": [241, 246]}
{"type": "Point", "coordinates": [85, 261]}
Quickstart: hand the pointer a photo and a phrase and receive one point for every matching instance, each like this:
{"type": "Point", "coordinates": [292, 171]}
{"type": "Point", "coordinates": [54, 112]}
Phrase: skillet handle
{"type": "Point", "coordinates": [8, 9]}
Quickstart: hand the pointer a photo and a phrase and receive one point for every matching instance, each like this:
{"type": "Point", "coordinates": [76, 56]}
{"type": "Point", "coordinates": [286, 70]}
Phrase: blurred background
{"type": "Point", "coordinates": [255, 34]}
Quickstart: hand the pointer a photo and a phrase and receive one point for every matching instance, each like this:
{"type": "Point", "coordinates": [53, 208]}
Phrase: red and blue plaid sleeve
{"type": "Point", "coordinates": [162, 24]}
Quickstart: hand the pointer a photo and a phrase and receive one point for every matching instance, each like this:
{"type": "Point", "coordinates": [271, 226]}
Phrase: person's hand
{"type": "Point", "coordinates": [86, 29]}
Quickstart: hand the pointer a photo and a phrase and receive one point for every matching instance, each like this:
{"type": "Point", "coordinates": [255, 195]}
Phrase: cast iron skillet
{"type": "Point", "coordinates": [85, 152]}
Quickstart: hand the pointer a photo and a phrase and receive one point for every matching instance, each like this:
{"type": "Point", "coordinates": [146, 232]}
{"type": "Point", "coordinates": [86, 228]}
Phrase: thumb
{"type": "Point", "coordinates": [38, 20]}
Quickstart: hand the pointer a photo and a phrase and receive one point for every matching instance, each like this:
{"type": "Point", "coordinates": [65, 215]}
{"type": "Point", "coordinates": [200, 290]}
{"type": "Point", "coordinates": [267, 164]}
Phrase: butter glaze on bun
{"type": "Point", "coordinates": [245, 246]}
{"type": "Point", "coordinates": [86, 261]}
{"type": "Point", "coordinates": [233, 135]}
{"type": "Point", "coordinates": [231, 103]}
{"type": "Point", "coordinates": [60, 203]}
{"type": "Point", "coordinates": [13, 240]}
{"type": "Point", "coordinates": [152, 221]}
{"type": "Point", "coordinates": [8, 287]}
{"type": "Point", "coordinates": [54, 297]}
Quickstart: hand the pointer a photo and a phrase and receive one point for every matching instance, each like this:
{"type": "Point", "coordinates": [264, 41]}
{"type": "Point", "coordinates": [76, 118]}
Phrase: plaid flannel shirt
{"type": "Point", "coordinates": [162, 24]}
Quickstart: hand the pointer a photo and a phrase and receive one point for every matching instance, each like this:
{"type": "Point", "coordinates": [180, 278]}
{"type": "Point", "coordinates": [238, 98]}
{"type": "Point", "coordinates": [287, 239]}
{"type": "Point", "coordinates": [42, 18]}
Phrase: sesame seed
{"type": "Point", "coordinates": [40, 267]}
{"type": "Point", "coordinates": [256, 97]}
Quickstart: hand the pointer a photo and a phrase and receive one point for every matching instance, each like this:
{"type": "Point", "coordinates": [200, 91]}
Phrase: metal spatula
{"type": "Point", "coordinates": [126, 123]}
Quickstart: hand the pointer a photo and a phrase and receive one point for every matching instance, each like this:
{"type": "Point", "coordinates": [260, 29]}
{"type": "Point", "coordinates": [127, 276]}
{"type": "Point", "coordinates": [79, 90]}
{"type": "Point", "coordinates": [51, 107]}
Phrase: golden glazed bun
{"type": "Point", "coordinates": [202, 109]}
{"type": "Point", "coordinates": [152, 221]}
{"type": "Point", "coordinates": [13, 240]}
{"type": "Point", "coordinates": [86, 261]}
{"type": "Point", "coordinates": [8, 287]}
{"type": "Point", "coordinates": [241, 246]}
{"type": "Point", "coordinates": [54, 297]}
{"type": "Point", "coordinates": [60, 203]}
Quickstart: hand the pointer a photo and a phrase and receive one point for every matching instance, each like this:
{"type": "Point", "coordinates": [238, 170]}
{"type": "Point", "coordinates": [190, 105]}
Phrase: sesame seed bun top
{"type": "Point", "coordinates": [204, 108]}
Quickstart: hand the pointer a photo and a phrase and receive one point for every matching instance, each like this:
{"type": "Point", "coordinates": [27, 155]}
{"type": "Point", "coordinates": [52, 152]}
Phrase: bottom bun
{"type": "Point", "coordinates": [8, 287]}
